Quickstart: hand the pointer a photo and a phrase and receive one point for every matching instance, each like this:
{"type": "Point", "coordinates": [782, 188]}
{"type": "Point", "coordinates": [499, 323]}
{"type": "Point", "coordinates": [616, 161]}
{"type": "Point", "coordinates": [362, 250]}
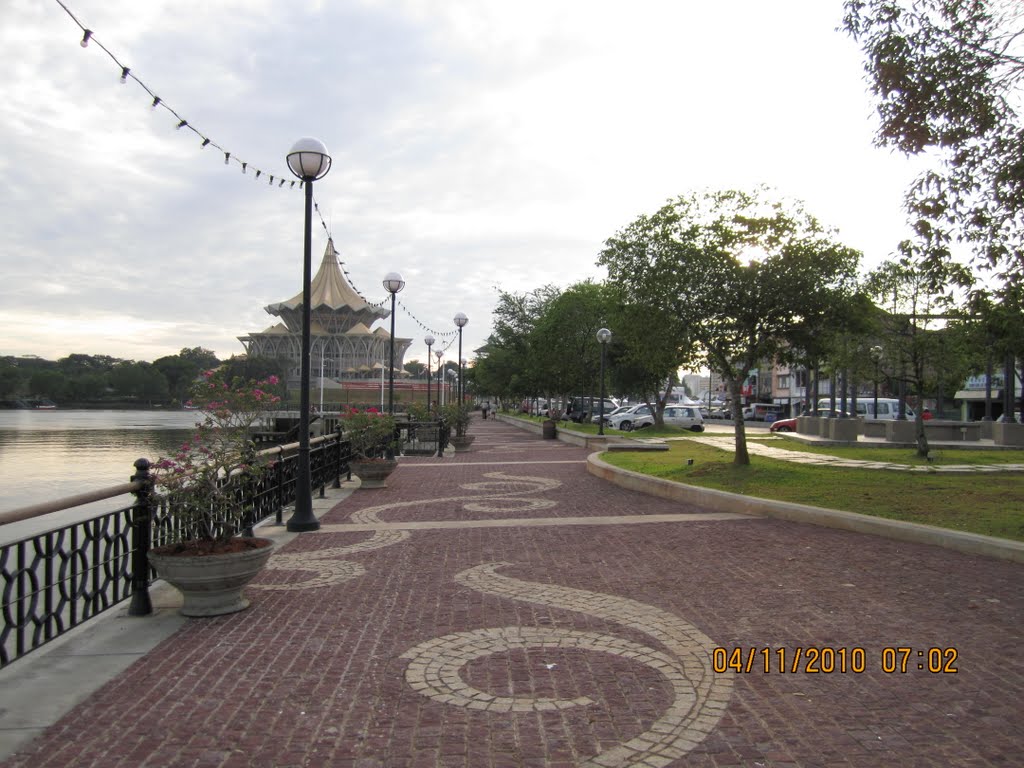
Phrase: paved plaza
{"type": "Point", "coordinates": [504, 608]}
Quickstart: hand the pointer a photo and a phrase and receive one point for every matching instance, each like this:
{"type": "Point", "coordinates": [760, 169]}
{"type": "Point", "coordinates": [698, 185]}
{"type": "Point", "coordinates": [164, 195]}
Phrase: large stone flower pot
{"type": "Point", "coordinates": [462, 443]}
{"type": "Point", "coordinates": [373, 473]}
{"type": "Point", "coordinates": [211, 585]}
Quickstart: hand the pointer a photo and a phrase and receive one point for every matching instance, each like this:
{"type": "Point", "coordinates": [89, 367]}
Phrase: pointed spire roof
{"type": "Point", "coordinates": [332, 301]}
{"type": "Point", "coordinates": [328, 288]}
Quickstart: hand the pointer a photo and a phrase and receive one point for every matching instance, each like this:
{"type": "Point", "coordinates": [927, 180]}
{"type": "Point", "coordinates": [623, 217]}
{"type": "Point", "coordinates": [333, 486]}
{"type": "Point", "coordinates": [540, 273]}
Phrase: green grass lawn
{"type": "Point", "coordinates": [989, 504]}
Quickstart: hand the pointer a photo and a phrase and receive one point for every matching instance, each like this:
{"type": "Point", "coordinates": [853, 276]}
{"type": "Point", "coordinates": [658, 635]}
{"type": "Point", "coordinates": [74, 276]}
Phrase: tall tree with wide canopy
{"type": "Point", "coordinates": [565, 339]}
{"type": "Point", "coordinates": [741, 272]}
{"type": "Point", "coordinates": [947, 77]}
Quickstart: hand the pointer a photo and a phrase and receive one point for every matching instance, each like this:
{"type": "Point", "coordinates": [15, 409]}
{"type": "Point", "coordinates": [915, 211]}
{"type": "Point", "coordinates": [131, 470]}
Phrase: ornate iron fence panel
{"type": "Point", "coordinates": [422, 438]}
{"type": "Point", "coordinates": [56, 580]}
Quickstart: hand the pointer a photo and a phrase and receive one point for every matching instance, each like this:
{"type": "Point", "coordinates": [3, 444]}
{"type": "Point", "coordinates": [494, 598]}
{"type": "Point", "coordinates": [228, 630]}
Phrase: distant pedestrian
{"type": "Point", "coordinates": [485, 407]}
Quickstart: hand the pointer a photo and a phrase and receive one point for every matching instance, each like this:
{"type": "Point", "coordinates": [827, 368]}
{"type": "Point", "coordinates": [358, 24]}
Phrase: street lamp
{"type": "Point", "coordinates": [393, 283]}
{"type": "Point", "coordinates": [876, 355]}
{"type": "Point", "coordinates": [440, 377]}
{"type": "Point", "coordinates": [603, 336]}
{"type": "Point", "coordinates": [460, 321]}
{"type": "Point", "coordinates": [307, 159]}
{"type": "Point", "coordinates": [429, 341]}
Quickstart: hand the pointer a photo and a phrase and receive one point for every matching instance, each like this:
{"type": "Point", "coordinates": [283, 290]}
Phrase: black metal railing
{"type": "Point", "coordinates": [423, 438]}
{"type": "Point", "coordinates": [55, 580]}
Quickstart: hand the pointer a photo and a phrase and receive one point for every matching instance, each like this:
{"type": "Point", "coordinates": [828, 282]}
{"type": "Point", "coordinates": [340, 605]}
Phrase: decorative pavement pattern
{"type": "Point", "coordinates": [802, 457]}
{"type": "Point", "coordinates": [502, 608]}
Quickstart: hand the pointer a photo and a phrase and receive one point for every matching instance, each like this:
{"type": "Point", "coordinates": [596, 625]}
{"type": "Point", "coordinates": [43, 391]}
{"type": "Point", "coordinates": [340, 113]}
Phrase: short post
{"type": "Point", "coordinates": [141, 529]}
{"type": "Point", "coordinates": [337, 457]}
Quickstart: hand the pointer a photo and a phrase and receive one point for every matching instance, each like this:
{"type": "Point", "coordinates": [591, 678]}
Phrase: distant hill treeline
{"type": "Point", "coordinates": [85, 379]}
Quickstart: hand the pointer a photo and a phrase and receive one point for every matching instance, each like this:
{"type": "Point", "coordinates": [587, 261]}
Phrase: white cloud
{"type": "Point", "coordinates": [475, 143]}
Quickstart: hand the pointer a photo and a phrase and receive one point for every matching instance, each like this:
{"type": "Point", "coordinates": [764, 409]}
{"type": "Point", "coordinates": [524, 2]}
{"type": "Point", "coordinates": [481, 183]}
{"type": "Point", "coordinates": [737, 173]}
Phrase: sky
{"type": "Point", "coordinates": [477, 147]}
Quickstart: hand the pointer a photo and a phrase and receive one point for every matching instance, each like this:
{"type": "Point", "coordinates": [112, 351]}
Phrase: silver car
{"type": "Point", "coordinates": [684, 416]}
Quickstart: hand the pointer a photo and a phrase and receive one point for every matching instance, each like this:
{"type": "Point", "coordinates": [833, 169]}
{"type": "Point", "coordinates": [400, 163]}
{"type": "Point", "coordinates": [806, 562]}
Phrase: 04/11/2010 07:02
{"type": "Point", "coordinates": [826, 660]}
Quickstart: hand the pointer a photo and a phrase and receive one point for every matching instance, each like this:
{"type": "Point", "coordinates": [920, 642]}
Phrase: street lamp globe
{"type": "Point", "coordinates": [308, 159]}
{"type": "Point", "coordinates": [393, 283]}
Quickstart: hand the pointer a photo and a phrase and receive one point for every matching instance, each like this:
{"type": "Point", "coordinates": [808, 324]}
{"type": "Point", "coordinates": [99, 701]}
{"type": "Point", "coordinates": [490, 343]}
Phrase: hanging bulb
{"type": "Point", "coordinates": [244, 166]}
{"type": "Point", "coordinates": [205, 142]}
{"type": "Point", "coordinates": [124, 75]}
{"type": "Point", "coordinates": [227, 157]}
{"type": "Point", "coordinates": [85, 38]}
{"type": "Point", "coordinates": [182, 124]}
{"type": "Point", "coordinates": [156, 101]}
{"type": "Point", "coordinates": [271, 182]}
{"type": "Point", "coordinates": [282, 183]}
{"type": "Point", "coordinates": [258, 174]}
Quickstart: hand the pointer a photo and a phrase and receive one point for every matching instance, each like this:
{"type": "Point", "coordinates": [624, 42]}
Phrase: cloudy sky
{"type": "Point", "coordinates": [476, 145]}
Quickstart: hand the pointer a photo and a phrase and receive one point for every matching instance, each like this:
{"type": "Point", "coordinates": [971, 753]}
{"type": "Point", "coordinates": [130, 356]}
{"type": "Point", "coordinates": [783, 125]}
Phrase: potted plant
{"type": "Point", "coordinates": [458, 415]}
{"type": "Point", "coordinates": [549, 427]}
{"type": "Point", "coordinates": [204, 485]}
{"type": "Point", "coordinates": [374, 441]}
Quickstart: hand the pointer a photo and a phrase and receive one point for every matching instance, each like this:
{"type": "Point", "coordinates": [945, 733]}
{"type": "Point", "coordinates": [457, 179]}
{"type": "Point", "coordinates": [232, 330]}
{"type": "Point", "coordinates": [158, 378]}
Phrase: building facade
{"type": "Point", "coordinates": [342, 343]}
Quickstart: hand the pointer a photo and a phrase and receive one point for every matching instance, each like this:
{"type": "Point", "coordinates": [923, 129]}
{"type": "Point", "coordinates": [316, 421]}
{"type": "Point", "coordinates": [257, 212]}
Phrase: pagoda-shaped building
{"type": "Point", "coordinates": [341, 342]}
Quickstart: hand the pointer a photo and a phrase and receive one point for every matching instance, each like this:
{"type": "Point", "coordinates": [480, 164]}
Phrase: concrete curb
{"type": "Point", "coordinates": [723, 501]}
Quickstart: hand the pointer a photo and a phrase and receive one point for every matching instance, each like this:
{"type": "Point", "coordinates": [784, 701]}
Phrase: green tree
{"type": "Point", "coordinates": [205, 359]}
{"type": "Point", "coordinates": [10, 381]}
{"type": "Point", "coordinates": [912, 326]}
{"type": "Point", "coordinates": [566, 352]}
{"type": "Point", "coordinates": [180, 373]}
{"type": "Point", "coordinates": [648, 347]}
{"type": "Point", "coordinates": [142, 381]}
{"type": "Point", "coordinates": [946, 74]}
{"type": "Point", "coordinates": [742, 273]}
{"type": "Point", "coordinates": [510, 369]}
{"type": "Point", "coordinates": [50, 384]}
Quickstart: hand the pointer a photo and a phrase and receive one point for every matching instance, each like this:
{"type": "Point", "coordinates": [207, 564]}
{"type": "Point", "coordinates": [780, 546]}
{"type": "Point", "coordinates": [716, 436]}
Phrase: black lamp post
{"type": "Point", "coordinates": [429, 341]}
{"type": "Point", "coordinates": [393, 283]}
{"type": "Point", "coordinates": [460, 321]}
{"type": "Point", "coordinates": [308, 159]}
{"type": "Point", "coordinates": [876, 355]}
{"type": "Point", "coordinates": [603, 336]}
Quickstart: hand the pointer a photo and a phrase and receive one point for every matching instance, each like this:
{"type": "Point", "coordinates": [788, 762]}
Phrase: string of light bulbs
{"type": "Point", "coordinates": [88, 36]}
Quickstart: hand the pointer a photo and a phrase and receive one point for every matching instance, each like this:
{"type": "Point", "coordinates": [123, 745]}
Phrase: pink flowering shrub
{"type": "Point", "coordinates": [371, 433]}
{"type": "Point", "coordinates": [205, 480]}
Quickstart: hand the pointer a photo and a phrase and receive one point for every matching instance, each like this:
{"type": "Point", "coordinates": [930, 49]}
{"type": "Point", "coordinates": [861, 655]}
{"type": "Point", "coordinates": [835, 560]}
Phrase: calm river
{"type": "Point", "coordinates": [46, 455]}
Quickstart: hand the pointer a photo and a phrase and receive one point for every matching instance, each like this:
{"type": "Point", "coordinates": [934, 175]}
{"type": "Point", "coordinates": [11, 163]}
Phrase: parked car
{"type": "Point", "coordinates": [684, 416]}
{"type": "Point", "coordinates": [608, 414]}
{"type": "Point", "coordinates": [582, 408]}
{"type": "Point", "coordinates": [627, 418]}
{"type": "Point", "coordinates": [888, 407]}
{"type": "Point", "coordinates": [783, 425]}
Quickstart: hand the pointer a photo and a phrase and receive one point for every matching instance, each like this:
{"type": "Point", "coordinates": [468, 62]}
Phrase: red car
{"type": "Point", "coordinates": [784, 425]}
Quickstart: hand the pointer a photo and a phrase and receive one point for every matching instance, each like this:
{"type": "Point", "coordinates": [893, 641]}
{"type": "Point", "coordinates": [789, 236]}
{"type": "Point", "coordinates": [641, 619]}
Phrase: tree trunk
{"type": "Point", "coordinates": [922, 438]}
{"type": "Point", "coordinates": [742, 458]}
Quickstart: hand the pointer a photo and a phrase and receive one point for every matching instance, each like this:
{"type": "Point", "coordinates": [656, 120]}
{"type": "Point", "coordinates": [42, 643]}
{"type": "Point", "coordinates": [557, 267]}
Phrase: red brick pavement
{"type": "Point", "coordinates": [591, 645]}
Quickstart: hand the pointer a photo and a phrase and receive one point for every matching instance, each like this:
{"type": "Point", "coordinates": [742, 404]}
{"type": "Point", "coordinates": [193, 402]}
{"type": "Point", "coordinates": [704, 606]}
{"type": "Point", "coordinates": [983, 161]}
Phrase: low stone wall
{"type": "Point", "coordinates": [1008, 434]}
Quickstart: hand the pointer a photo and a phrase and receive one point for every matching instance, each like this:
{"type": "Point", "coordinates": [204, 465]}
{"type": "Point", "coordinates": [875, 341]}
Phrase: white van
{"type": "Point", "coordinates": [888, 407]}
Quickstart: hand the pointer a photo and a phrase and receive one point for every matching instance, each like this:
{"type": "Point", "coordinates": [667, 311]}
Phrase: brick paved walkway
{"type": "Point", "coordinates": [466, 617]}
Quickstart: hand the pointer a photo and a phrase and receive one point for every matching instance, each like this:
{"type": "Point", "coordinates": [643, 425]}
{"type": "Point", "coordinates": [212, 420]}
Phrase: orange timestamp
{"type": "Point", "coordinates": [831, 659]}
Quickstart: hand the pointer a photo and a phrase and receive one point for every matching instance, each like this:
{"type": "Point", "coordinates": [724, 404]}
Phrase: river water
{"type": "Point", "coordinates": [46, 455]}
